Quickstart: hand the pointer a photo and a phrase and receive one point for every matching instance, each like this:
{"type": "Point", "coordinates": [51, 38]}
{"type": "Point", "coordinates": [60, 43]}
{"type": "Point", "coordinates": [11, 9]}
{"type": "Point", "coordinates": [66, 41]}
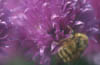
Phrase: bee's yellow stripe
{"type": "Point", "coordinates": [68, 53]}
{"type": "Point", "coordinates": [61, 56]}
{"type": "Point", "coordinates": [65, 56]}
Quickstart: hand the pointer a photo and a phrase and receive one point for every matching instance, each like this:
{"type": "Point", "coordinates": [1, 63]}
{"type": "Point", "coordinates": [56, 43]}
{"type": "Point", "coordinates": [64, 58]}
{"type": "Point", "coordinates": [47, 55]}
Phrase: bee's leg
{"type": "Point", "coordinates": [71, 31]}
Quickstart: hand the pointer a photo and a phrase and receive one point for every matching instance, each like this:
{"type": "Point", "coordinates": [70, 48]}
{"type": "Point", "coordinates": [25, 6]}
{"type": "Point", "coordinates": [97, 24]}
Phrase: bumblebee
{"type": "Point", "coordinates": [72, 47]}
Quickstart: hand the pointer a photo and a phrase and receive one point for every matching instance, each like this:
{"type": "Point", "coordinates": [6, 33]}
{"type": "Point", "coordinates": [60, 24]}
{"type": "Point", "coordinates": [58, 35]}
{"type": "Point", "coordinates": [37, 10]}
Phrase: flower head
{"type": "Point", "coordinates": [40, 25]}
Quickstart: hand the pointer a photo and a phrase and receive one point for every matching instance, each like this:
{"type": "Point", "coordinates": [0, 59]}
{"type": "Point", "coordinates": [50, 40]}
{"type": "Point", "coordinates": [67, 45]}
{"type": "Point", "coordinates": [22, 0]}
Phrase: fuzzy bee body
{"type": "Point", "coordinates": [72, 47]}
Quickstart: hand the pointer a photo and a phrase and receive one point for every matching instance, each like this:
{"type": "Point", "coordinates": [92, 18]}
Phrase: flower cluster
{"type": "Point", "coordinates": [36, 26]}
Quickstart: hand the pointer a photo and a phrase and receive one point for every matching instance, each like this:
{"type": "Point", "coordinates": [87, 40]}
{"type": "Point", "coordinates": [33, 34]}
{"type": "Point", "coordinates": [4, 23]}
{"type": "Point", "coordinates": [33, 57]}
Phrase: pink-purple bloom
{"type": "Point", "coordinates": [33, 27]}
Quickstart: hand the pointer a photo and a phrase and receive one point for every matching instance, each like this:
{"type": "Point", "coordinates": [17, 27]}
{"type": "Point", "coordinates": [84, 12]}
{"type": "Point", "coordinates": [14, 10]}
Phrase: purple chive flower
{"type": "Point", "coordinates": [38, 25]}
{"type": "Point", "coordinates": [8, 37]}
{"type": "Point", "coordinates": [4, 29]}
{"type": "Point", "coordinates": [95, 4]}
{"type": "Point", "coordinates": [3, 24]}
